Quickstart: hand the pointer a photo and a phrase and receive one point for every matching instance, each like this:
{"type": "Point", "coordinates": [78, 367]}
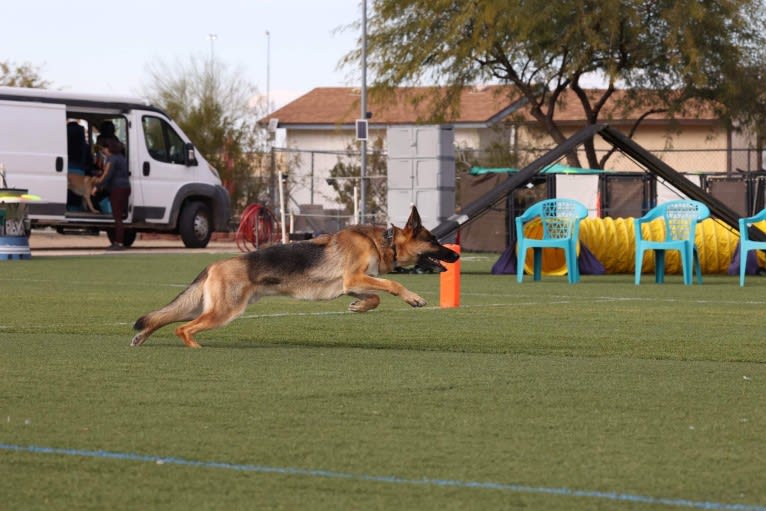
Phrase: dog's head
{"type": "Point", "coordinates": [415, 245]}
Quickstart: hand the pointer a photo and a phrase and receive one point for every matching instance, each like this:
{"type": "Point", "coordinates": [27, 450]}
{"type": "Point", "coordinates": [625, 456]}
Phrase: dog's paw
{"type": "Point", "coordinates": [138, 340]}
{"type": "Point", "coordinates": [357, 306]}
{"type": "Point", "coordinates": [415, 300]}
{"type": "Point", "coordinates": [365, 304]}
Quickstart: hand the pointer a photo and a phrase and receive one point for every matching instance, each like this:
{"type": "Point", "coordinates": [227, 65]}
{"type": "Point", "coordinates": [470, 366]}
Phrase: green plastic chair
{"type": "Point", "coordinates": [746, 244]}
{"type": "Point", "coordinates": [680, 217]}
{"type": "Point", "coordinates": [561, 227]}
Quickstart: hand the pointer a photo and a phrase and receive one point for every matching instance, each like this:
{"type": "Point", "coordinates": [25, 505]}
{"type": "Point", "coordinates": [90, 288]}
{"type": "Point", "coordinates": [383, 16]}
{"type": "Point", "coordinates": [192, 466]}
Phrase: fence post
{"type": "Point", "coordinates": [282, 207]}
{"type": "Point", "coordinates": [273, 172]}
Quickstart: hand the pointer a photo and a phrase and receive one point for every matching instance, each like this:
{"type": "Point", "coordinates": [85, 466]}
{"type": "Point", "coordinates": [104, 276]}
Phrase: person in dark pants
{"type": "Point", "coordinates": [115, 182]}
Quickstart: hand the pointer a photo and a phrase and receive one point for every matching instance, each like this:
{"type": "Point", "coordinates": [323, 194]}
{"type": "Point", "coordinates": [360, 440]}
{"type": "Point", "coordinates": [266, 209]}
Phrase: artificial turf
{"type": "Point", "coordinates": [541, 395]}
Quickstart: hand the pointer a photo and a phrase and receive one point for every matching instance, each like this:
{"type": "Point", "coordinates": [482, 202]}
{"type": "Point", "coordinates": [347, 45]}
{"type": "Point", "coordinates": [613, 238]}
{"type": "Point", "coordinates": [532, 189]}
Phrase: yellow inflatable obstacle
{"type": "Point", "coordinates": [612, 241]}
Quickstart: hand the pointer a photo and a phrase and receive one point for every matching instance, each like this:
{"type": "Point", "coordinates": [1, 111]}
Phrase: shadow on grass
{"type": "Point", "coordinates": [254, 345]}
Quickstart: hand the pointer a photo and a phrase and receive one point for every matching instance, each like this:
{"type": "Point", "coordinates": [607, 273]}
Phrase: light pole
{"type": "Point", "coordinates": [212, 38]}
{"type": "Point", "coordinates": [363, 162]}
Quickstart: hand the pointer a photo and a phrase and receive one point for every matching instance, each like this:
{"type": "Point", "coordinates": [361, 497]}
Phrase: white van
{"type": "Point", "coordinates": [173, 189]}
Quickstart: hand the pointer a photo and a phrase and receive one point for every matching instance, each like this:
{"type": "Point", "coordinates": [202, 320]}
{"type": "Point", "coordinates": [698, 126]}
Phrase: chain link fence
{"type": "Point", "coordinates": [322, 187]}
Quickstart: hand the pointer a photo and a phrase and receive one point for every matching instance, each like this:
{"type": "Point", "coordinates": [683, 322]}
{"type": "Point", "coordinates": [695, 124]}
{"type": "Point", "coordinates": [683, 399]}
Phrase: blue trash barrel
{"type": "Point", "coordinates": [14, 247]}
{"type": "Point", "coordinates": [14, 240]}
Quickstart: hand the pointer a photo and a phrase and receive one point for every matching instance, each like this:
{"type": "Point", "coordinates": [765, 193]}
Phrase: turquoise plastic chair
{"type": "Point", "coordinates": [680, 217]}
{"type": "Point", "coordinates": [561, 227]}
{"type": "Point", "coordinates": [746, 244]}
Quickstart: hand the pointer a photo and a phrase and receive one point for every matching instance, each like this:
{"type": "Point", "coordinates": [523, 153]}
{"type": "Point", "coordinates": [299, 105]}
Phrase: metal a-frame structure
{"type": "Point", "coordinates": [651, 163]}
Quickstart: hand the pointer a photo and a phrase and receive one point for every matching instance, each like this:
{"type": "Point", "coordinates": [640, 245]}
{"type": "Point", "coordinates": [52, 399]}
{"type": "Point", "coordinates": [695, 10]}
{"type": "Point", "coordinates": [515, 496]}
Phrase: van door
{"type": "Point", "coordinates": [93, 121]}
{"type": "Point", "coordinates": [162, 168]}
{"type": "Point", "coordinates": [33, 149]}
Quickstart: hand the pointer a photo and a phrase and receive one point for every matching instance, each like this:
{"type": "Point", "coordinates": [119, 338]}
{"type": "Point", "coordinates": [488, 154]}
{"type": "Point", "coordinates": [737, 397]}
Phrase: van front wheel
{"type": "Point", "coordinates": [195, 225]}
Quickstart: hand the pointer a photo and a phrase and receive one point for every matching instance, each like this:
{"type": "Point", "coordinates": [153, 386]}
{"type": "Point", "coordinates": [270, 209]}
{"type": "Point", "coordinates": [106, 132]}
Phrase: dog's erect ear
{"type": "Point", "coordinates": [413, 223]}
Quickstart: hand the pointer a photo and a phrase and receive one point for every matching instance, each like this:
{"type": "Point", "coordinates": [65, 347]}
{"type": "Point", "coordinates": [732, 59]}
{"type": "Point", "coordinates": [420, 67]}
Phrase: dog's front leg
{"type": "Point", "coordinates": [363, 284]}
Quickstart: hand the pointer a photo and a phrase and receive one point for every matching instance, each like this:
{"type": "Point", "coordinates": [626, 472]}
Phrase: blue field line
{"type": "Point", "coordinates": [330, 474]}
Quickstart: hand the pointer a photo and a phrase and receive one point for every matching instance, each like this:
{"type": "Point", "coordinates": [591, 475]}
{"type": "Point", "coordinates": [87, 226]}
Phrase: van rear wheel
{"type": "Point", "coordinates": [128, 239]}
{"type": "Point", "coordinates": [195, 225]}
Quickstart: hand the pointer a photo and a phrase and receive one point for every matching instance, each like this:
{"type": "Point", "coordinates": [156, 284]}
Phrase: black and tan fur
{"type": "Point", "coordinates": [345, 263]}
{"type": "Point", "coordinates": [83, 186]}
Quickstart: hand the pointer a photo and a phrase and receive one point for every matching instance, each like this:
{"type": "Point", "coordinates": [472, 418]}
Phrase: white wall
{"type": "Point", "coordinates": [338, 140]}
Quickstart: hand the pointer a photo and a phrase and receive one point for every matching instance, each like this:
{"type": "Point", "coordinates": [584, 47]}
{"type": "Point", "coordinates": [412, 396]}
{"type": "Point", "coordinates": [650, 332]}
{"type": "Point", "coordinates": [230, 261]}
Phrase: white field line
{"type": "Point", "coordinates": [528, 303]}
{"type": "Point", "coordinates": [93, 282]}
{"type": "Point", "coordinates": [549, 299]}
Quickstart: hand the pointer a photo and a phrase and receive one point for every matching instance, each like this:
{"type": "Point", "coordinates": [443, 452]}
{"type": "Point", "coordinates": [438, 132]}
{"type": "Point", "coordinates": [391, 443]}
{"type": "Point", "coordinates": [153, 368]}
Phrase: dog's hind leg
{"type": "Point", "coordinates": [363, 302]}
{"type": "Point", "coordinates": [213, 318]}
{"type": "Point", "coordinates": [154, 321]}
{"type": "Point", "coordinates": [187, 305]}
{"type": "Point", "coordinates": [224, 302]}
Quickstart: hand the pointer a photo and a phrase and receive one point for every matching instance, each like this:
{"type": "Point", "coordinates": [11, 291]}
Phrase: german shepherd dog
{"type": "Point", "coordinates": [83, 186]}
{"type": "Point", "coordinates": [345, 263]}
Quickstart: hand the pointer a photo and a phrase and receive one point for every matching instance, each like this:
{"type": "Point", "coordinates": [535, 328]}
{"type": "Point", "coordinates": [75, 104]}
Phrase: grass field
{"type": "Point", "coordinates": [541, 395]}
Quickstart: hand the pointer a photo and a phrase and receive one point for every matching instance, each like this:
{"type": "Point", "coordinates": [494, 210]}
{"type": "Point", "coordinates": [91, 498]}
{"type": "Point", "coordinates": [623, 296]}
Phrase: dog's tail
{"type": "Point", "coordinates": [184, 307]}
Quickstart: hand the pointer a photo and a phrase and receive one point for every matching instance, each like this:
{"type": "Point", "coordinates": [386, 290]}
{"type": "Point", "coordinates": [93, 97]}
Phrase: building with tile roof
{"type": "Point", "coordinates": [319, 130]}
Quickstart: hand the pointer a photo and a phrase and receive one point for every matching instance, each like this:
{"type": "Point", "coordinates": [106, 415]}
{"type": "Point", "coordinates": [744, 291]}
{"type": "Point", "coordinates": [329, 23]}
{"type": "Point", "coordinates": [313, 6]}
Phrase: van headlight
{"type": "Point", "coordinates": [213, 171]}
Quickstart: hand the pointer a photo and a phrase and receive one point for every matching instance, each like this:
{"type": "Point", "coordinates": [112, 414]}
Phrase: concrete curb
{"type": "Point", "coordinates": [49, 243]}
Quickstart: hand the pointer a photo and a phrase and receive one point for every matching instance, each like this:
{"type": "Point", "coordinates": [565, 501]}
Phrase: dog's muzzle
{"type": "Point", "coordinates": [431, 261]}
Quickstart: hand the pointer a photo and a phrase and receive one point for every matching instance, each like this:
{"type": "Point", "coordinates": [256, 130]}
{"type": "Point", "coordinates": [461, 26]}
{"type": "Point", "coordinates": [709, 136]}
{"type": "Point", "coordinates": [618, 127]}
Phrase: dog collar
{"type": "Point", "coordinates": [388, 237]}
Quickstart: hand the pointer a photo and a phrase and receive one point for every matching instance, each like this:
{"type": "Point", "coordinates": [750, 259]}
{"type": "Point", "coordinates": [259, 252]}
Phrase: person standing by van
{"type": "Point", "coordinates": [115, 183]}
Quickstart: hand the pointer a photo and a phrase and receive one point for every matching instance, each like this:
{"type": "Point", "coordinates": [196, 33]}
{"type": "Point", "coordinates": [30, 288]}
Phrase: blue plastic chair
{"type": "Point", "coordinates": [746, 244]}
{"type": "Point", "coordinates": [680, 218]}
{"type": "Point", "coordinates": [560, 219]}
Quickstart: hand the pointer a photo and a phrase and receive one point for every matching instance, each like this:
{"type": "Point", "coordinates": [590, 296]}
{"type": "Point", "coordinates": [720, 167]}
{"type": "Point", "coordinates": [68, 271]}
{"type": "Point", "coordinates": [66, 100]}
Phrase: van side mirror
{"type": "Point", "coordinates": [190, 158]}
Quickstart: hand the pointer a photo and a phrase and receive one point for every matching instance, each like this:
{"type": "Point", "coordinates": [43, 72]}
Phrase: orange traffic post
{"type": "Point", "coordinates": [449, 282]}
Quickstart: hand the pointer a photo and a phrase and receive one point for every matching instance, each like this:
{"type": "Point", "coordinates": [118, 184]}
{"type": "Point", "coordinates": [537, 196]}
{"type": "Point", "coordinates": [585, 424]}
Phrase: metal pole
{"type": "Point", "coordinates": [356, 205]}
{"type": "Point", "coordinates": [363, 163]}
{"type": "Point", "coordinates": [282, 207]}
{"type": "Point", "coordinates": [312, 178]}
{"type": "Point", "coordinates": [273, 166]}
{"type": "Point", "coordinates": [268, 72]}
{"type": "Point", "coordinates": [212, 38]}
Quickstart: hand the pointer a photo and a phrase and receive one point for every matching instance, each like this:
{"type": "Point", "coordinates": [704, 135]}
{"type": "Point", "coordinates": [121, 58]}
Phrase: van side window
{"type": "Point", "coordinates": [162, 142]}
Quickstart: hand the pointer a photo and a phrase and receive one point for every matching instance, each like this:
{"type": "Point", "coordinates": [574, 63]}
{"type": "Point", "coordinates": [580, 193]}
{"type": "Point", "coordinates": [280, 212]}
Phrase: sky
{"type": "Point", "coordinates": [109, 47]}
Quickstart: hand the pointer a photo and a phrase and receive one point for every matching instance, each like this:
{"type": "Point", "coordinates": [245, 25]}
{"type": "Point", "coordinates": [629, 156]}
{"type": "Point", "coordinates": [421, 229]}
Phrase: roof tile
{"type": "Point", "coordinates": [324, 106]}
{"type": "Point", "coordinates": [341, 105]}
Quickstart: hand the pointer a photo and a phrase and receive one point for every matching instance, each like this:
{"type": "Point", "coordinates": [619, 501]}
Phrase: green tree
{"type": "Point", "coordinates": [21, 75]}
{"type": "Point", "coordinates": [344, 176]}
{"type": "Point", "coordinates": [218, 109]}
{"type": "Point", "coordinates": [680, 50]}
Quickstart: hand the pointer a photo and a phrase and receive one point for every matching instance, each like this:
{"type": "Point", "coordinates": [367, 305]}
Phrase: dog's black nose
{"type": "Point", "coordinates": [450, 256]}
